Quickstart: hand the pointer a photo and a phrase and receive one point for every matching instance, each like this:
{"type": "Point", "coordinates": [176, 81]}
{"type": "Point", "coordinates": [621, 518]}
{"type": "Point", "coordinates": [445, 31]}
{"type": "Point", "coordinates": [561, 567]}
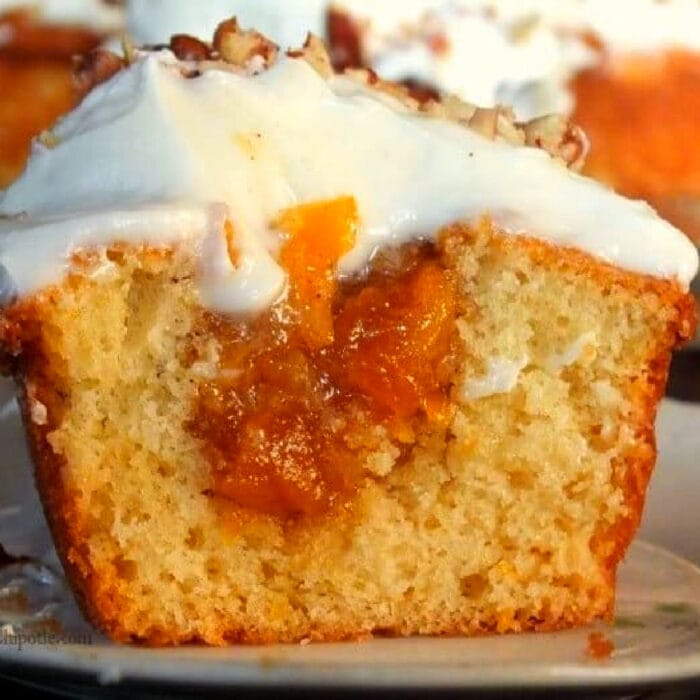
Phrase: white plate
{"type": "Point", "coordinates": [672, 512]}
{"type": "Point", "coordinates": [656, 641]}
{"type": "Point", "coordinates": [656, 638]}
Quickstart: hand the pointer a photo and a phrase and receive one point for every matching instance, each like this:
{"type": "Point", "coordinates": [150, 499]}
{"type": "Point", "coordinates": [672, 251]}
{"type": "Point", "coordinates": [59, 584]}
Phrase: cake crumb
{"type": "Point", "coordinates": [600, 647]}
{"type": "Point", "coordinates": [49, 139]}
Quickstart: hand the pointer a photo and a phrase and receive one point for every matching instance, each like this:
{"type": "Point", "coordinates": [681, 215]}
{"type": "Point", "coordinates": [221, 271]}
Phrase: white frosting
{"type": "Point", "coordinates": [517, 52]}
{"type": "Point", "coordinates": [502, 374]}
{"type": "Point", "coordinates": [154, 21]}
{"type": "Point", "coordinates": [573, 353]}
{"type": "Point", "coordinates": [152, 156]}
{"type": "Point", "coordinates": [94, 14]}
{"type": "Point", "coordinates": [501, 378]}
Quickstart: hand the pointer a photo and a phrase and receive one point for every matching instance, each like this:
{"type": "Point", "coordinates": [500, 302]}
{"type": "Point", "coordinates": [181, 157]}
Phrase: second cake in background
{"type": "Point", "coordinates": [37, 43]}
{"type": "Point", "coordinates": [628, 72]}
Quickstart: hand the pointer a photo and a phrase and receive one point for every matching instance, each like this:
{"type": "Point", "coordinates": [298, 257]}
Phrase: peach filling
{"type": "Point", "coordinates": [293, 411]}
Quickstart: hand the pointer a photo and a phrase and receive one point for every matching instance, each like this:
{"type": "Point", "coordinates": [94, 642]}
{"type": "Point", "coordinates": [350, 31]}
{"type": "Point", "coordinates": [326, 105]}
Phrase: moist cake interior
{"type": "Point", "coordinates": [475, 460]}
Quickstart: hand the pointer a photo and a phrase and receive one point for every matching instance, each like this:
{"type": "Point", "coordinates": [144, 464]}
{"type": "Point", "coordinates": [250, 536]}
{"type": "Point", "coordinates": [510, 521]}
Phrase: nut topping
{"type": "Point", "coordinates": [251, 51]}
{"type": "Point", "coordinates": [239, 47]}
{"type": "Point", "coordinates": [94, 68]}
{"type": "Point", "coordinates": [315, 54]}
{"type": "Point", "coordinates": [556, 135]}
{"type": "Point", "coordinates": [187, 48]}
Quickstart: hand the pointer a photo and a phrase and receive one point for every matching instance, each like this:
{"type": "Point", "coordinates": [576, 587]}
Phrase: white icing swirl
{"type": "Point", "coordinates": [152, 156]}
{"type": "Point", "coordinates": [624, 25]}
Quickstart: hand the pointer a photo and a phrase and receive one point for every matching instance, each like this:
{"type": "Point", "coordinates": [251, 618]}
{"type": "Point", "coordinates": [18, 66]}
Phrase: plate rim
{"type": "Point", "coordinates": [135, 665]}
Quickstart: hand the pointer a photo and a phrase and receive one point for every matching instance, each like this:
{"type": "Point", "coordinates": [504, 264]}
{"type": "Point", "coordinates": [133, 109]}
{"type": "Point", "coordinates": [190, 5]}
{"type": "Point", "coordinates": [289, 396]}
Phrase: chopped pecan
{"type": "Point", "coordinates": [239, 47]}
{"type": "Point", "coordinates": [94, 68]}
{"type": "Point", "coordinates": [315, 54]}
{"type": "Point", "coordinates": [485, 121]}
{"type": "Point", "coordinates": [556, 135]}
{"type": "Point", "coordinates": [344, 39]}
{"type": "Point", "coordinates": [187, 48]}
{"type": "Point", "coordinates": [396, 90]}
{"type": "Point", "coordinates": [423, 92]}
{"type": "Point", "coordinates": [508, 129]}
{"type": "Point", "coordinates": [228, 26]}
{"type": "Point", "coordinates": [450, 107]}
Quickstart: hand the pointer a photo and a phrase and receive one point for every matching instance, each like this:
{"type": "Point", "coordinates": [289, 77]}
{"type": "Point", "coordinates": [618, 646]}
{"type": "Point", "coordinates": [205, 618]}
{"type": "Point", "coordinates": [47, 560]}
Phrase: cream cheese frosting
{"type": "Point", "coordinates": [95, 14]}
{"type": "Point", "coordinates": [152, 156]}
{"type": "Point", "coordinates": [501, 378]}
{"type": "Point", "coordinates": [154, 21]}
{"type": "Point", "coordinates": [624, 26]}
{"type": "Point", "coordinates": [518, 52]}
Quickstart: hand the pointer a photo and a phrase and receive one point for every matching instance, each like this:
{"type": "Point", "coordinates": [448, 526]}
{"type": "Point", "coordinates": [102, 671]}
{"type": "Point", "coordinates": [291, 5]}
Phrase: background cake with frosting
{"type": "Point", "coordinates": [626, 71]}
{"type": "Point", "coordinates": [313, 359]}
{"type": "Point", "coordinates": [38, 41]}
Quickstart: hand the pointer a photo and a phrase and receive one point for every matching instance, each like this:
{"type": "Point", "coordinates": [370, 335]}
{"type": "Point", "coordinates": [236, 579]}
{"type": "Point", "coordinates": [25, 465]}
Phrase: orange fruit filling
{"type": "Point", "coordinates": [391, 338]}
{"type": "Point", "coordinates": [319, 234]}
{"type": "Point", "coordinates": [289, 419]}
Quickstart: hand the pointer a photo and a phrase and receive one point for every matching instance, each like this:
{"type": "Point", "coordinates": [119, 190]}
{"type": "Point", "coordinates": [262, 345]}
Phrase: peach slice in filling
{"type": "Point", "coordinates": [286, 423]}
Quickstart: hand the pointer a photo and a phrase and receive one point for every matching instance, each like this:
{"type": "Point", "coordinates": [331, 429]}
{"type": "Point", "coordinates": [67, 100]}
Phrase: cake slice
{"type": "Point", "coordinates": [302, 358]}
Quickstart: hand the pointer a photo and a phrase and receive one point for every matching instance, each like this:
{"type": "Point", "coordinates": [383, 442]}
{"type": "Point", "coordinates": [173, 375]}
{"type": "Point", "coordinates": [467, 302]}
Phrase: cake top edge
{"type": "Point", "coordinates": [251, 52]}
{"type": "Point", "coordinates": [523, 53]}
